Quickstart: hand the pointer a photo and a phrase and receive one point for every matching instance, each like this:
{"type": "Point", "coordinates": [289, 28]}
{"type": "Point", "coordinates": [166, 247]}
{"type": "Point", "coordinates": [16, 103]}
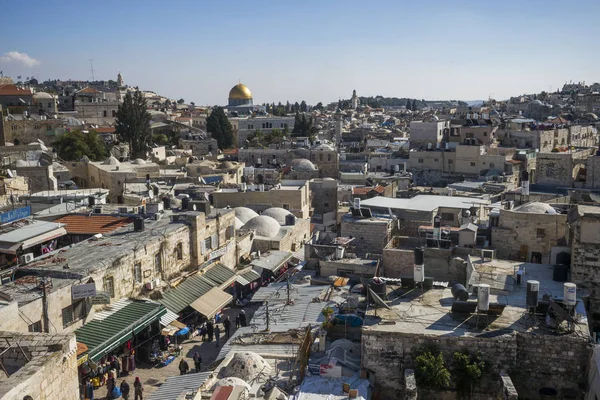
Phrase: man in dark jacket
{"type": "Point", "coordinates": [125, 390]}
{"type": "Point", "coordinates": [183, 367]}
{"type": "Point", "coordinates": [227, 325]}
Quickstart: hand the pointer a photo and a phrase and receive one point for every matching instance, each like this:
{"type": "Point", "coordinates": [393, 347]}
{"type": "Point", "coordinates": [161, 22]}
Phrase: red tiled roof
{"type": "Point", "coordinates": [107, 129]}
{"type": "Point", "coordinates": [12, 90]}
{"type": "Point", "coordinates": [230, 151]}
{"type": "Point", "coordinates": [88, 90]}
{"type": "Point", "coordinates": [513, 161]}
{"type": "Point", "coordinates": [364, 190]}
{"type": "Point", "coordinates": [91, 225]}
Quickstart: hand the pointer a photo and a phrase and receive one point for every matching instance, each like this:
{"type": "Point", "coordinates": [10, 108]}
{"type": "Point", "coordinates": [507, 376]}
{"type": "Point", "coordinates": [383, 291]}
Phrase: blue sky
{"type": "Point", "coordinates": [311, 50]}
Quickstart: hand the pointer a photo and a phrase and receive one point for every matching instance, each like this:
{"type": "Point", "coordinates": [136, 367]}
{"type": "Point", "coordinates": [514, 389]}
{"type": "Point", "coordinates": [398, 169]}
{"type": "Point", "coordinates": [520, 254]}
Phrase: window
{"type": "Point", "coordinates": [74, 312]}
{"type": "Point", "coordinates": [472, 164]}
{"type": "Point", "coordinates": [109, 286]}
{"type": "Point", "coordinates": [137, 272]}
{"type": "Point", "coordinates": [105, 113]}
{"type": "Point", "coordinates": [420, 161]}
{"type": "Point", "coordinates": [540, 233]}
{"type": "Point", "coordinates": [208, 243]}
{"type": "Point", "coordinates": [447, 216]}
{"type": "Point", "coordinates": [48, 128]}
{"type": "Point", "coordinates": [286, 206]}
{"type": "Point", "coordinates": [492, 165]}
{"type": "Point", "coordinates": [326, 205]}
{"type": "Point", "coordinates": [158, 263]}
{"type": "Point", "coordinates": [35, 327]}
{"type": "Point", "coordinates": [328, 157]}
{"type": "Point", "coordinates": [114, 113]}
{"type": "Point", "coordinates": [450, 161]}
{"type": "Point", "coordinates": [36, 126]}
{"type": "Point", "coordinates": [484, 133]}
{"type": "Point", "coordinates": [550, 169]}
{"type": "Point", "coordinates": [435, 159]}
{"type": "Point", "coordinates": [321, 157]}
{"type": "Point", "coordinates": [229, 232]}
{"type": "Point", "coordinates": [179, 251]}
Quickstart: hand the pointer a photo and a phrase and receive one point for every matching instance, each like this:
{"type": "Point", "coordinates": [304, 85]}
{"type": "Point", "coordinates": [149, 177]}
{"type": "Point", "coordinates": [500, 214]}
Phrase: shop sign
{"type": "Point", "coordinates": [101, 298]}
{"type": "Point", "coordinates": [82, 360]}
{"type": "Point", "coordinates": [14, 215]}
{"type": "Point", "coordinates": [83, 291]}
{"type": "Point", "coordinates": [220, 252]}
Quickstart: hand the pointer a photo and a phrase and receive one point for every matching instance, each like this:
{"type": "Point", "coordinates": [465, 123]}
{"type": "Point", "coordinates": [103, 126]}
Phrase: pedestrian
{"type": "Point", "coordinates": [217, 334]}
{"type": "Point", "coordinates": [237, 321]}
{"type": "Point", "coordinates": [210, 330]}
{"type": "Point", "coordinates": [138, 389]}
{"type": "Point", "coordinates": [89, 390]}
{"type": "Point", "coordinates": [110, 385]}
{"type": "Point", "coordinates": [243, 318]}
{"type": "Point", "coordinates": [184, 367]}
{"type": "Point", "coordinates": [227, 325]}
{"type": "Point", "coordinates": [125, 390]}
{"type": "Point", "coordinates": [203, 332]}
{"type": "Point", "coordinates": [197, 362]}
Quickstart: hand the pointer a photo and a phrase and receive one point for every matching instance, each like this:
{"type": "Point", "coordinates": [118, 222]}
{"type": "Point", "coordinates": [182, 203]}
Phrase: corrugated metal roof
{"type": "Point", "coordinates": [169, 317]}
{"type": "Point", "coordinates": [251, 275]}
{"type": "Point", "coordinates": [272, 261]}
{"type": "Point", "coordinates": [241, 280]}
{"type": "Point", "coordinates": [175, 386]}
{"type": "Point", "coordinates": [91, 225]}
{"type": "Point", "coordinates": [186, 293]}
{"type": "Point", "coordinates": [219, 274]}
{"type": "Point", "coordinates": [101, 336]}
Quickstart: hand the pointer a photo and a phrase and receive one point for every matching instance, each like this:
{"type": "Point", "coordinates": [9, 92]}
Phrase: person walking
{"type": "Point", "coordinates": [89, 390]}
{"type": "Point", "coordinates": [125, 390]}
{"type": "Point", "coordinates": [243, 318]}
{"type": "Point", "coordinates": [210, 330]}
{"type": "Point", "coordinates": [237, 321]}
{"type": "Point", "coordinates": [227, 326]}
{"type": "Point", "coordinates": [217, 334]}
{"type": "Point", "coordinates": [197, 362]}
{"type": "Point", "coordinates": [184, 367]}
{"type": "Point", "coordinates": [138, 389]}
{"type": "Point", "coordinates": [110, 385]}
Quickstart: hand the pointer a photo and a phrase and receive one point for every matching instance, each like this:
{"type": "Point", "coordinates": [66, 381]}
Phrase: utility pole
{"type": "Point", "coordinates": [92, 68]}
{"type": "Point", "coordinates": [268, 321]}
{"type": "Point", "coordinates": [43, 284]}
{"type": "Point", "coordinates": [287, 281]}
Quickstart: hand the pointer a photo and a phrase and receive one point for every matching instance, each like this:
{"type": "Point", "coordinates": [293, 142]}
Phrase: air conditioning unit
{"type": "Point", "coordinates": [122, 210]}
{"type": "Point", "coordinates": [157, 217]}
{"type": "Point", "coordinates": [26, 258]}
{"type": "Point", "coordinates": [97, 210]}
{"type": "Point", "coordinates": [150, 285]}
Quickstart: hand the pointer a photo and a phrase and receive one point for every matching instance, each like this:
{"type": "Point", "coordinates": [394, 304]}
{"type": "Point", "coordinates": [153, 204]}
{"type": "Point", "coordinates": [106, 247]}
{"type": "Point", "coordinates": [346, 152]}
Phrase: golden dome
{"type": "Point", "coordinates": [240, 91]}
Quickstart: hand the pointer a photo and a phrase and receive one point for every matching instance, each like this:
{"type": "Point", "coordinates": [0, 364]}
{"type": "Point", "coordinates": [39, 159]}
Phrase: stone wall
{"type": "Point", "coordinates": [51, 373]}
{"type": "Point", "coordinates": [40, 177]}
{"type": "Point", "coordinates": [539, 232]}
{"type": "Point", "coordinates": [533, 361]}
{"type": "Point", "coordinates": [559, 169]}
{"type": "Point", "coordinates": [340, 267]}
{"type": "Point", "coordinates": [370, 235]}
{"type": "Point", "coordinates": [593, 173]}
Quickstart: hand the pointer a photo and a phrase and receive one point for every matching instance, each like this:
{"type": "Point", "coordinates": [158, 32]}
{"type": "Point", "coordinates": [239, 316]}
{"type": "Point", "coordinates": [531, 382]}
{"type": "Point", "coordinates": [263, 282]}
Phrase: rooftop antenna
{"type": "Point", "coordinates": [92, 68]}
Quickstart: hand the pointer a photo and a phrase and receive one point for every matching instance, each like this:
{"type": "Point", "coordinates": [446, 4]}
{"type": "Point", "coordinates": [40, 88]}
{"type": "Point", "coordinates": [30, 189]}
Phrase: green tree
{"type": "Point", "coordinates": [219, 126]}
{"type": "Point", "coordinates": [431, 369]}
{"type": "Point", "coordinates": [469, 370]}
{"type": "Point", "coordinates": [277, 133]}
{"type": "Point", "coordinates": [319, 106]}
{"type": "Point", "coordinates": [72, 146]}
{"type": "Point", "coordinates": [303, 106]}
{"type": "Point", "coordinates": [180, 101]}
{"type": "Point", "coordinates": [414, 105]}
{"type": "Point", "coordinates": [133, 124]}
{"type": "Point", "coordinates": [296, 107]}
{"type": "Point", "coordinates": [408, 105]}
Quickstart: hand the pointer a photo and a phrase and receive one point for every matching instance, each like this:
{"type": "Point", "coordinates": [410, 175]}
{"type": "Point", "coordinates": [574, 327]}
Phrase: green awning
{"type": "Point", "coordinates": [186, 293]}
{"type": "Point", "coordinates": [219, 274]}
{"type": "Point", "coordinates": [102, 336]}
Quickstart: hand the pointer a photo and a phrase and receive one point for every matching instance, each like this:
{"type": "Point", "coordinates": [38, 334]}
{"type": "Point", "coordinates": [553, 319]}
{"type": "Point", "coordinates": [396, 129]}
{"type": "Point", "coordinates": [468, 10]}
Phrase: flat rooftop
{"type": "Point", "coordinates": [424, 202]}
{"type": "Point", "coordinates": [429, 312]}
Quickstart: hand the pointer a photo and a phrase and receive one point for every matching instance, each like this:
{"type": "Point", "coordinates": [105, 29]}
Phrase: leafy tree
{"type": "Point", "coordinates": [133, 124]}
{"type": "Point", "coordinates": [180, 101]}
{"type": "Point", "coordinates": [408, 105]}
{"type": "Point", "coordinates": [303, 106]}
{"type": "Point", "coordinates": [277, 133]}
{"type": "Point", "coordinates": [288, 107]}
{"type": "Point", "coordinates": [219, 126]}
{"type": "Point", "coordinates": [542, 96]}
{"type": "Point", "coordinates": [296, 107]}
{"type": "Point", "coordinates": [414, 105]}
{"type": "Point", "coordinates": [302, 126]}
{"type": "Point", "coordinates": [192, 103]}
{"type": "Point", "coordinates": [72, 146]}
{"type": "Point", "coordinates": [431, 369]}
{"type": "Point", "coordinates": [319, 106]}
{"type": "Point", "coordinates": [468, 371]}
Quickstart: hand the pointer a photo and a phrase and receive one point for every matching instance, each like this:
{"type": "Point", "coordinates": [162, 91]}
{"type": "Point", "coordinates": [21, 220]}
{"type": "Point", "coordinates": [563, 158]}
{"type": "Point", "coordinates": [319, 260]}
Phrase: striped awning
{"type": "Point", "coordinates": [247, 277]}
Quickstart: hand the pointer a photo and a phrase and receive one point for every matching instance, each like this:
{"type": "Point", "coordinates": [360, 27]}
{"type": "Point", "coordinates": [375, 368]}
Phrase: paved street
{"type": "Point", "coordinates": [152, 377]}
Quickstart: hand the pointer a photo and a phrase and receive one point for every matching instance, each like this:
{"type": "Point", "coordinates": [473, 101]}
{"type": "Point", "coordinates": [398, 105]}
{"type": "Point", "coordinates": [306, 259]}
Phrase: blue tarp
{"type": "Point", "coordinates": [352, 320]}
{"type": "Point", "coordinates": [183, 331]}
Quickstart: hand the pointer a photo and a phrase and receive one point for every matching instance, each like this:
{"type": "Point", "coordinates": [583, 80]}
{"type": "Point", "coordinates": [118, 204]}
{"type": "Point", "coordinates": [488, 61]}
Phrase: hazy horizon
{"type": "Point", "coordinates": [311, 51]}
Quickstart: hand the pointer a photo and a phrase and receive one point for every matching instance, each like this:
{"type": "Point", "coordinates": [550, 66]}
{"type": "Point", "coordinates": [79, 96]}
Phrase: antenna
{"type": "Point", "coordinates": [92, 68]}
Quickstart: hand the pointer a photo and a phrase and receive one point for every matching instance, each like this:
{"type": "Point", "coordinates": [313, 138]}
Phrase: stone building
{"type": "Point", "coordinates": [563, 169]}
{"type": "Point", "coordinates": [293, 196]}
{"type": "Point", "coordinates": [16, 99]}
{"type": "Point", "coordinates": [97, 107]}
{"type": "Point", "coordinates": [584, 226]}
{"type": "Point", "coordinates": [247, 126]}
{"type": "Point", "coordinates": [370, 234]}
{"type": "Point", "coordinates": [428, 133]}
{"type": "Point", "coordinates": [324, 195]}
{"type": "Point", "coordinates": [213, 172]}
{"type": "Point", "coordinates": [45, 103]}
{"type": "Point", "coordinates": [200, 145]}
{"type": "Point", "coordinates": [39, 365]}
{"type": "Point", "coordinates": [21, 130]}
{"type": "Point", "coordinates": [39, 174]}
{"type": "Point", "coordinates": [528, 232]}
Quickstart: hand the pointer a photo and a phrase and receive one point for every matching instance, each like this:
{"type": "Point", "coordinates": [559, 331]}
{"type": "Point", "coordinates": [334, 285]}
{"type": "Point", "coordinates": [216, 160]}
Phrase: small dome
{"type": "Point", "coordinates": [240, 91]}
{"type": "Point", "coordinates": [302, 164]}
{"type": "Point", "coordinates": [237, 223]}
{"type": "Point", "coordinates": [111, 161]}
{"type": "Point", "coordinates": [263, 226]}
{"type": "Point", "coordinates": [277, 213]}
{"type": "Point", "coordinates": [244, 214]}
{"type": "Point", "coordinates": [231, 381]}
{"type": "Point", "coordinates": [247, 366]}
{"type": "Point", "coordinates": [42, 95]}
{"type": "Point", "coordinates": [537, 208]}
{"type": "Point", "coordinates": [138, 161]}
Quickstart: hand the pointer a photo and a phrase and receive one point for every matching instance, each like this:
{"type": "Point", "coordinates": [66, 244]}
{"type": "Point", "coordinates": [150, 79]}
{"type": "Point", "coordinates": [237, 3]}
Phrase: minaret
{"type": "Point", "coordinates": [354, 100]}
{"type": "Point", "coordinates": [338, 126]}
{"type": "Point", "coordinates": [120, 80]}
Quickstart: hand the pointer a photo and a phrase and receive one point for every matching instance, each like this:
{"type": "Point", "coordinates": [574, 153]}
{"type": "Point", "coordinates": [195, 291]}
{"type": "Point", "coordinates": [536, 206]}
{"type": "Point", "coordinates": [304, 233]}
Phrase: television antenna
{"type": "Point", "coordinates": [92, 68]}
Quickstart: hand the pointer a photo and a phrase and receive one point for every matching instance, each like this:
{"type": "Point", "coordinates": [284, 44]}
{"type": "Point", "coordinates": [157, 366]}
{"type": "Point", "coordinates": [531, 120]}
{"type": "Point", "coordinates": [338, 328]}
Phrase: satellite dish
{"type": "Point", "coordinates": [151, 194]}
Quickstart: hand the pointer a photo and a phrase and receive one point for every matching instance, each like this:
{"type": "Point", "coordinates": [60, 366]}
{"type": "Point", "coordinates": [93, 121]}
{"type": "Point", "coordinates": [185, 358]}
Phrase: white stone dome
{"type": "Point", "coordinates": [231, 381]}
{"type": "Point", "coordinates": [277, 213]}
{"type": "Point", "coordinates": [323, 146]}
{"type": "Point", "coordinates": [263, 226]}
{"type": "Point", "coordinates": [42, 95]}
{"type": "Point", "coordinates": [21, 163]}
{"type": "Point", "coordinates": [244, 214]}
{"type": "Point", "coordinates": [302, 164]}
{"type": "Point", "coordinates": [138, 161]}
{"type": "Point", "coordinates": [237, 223]}
{"type": "Point", "coordinates": [247, 366]}
{"type": "Point", "coordinates": [537, 208]}
{"type": "Point", "coordinates": [111, 161]}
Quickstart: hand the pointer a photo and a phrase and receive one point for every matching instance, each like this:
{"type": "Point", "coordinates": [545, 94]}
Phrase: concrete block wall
{"type": "Point", "coordinates": [368, 237]}
{"type": "Point", "coordinates": [585, 262]}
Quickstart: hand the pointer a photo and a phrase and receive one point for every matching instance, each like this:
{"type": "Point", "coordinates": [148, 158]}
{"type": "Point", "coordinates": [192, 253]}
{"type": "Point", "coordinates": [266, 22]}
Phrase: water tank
{"type": "Point", "coordinates": [339, 253]}
{"type": "Point", "coordinates": [91, 201]}
{"type": "Point", "coordinates": [357, 203]}
{"type": "Point", "coordinates": [563, 258]}
{"type": "Point", "coordinates": [167, 203]}
{"type": "Point", "coordinates": [244, 186]}
{"type": "Point", "coordinates": [397, 168]}
{"type": "Point", "coordinates": [483, 297]}
{"type": "Point", "coordinates": [560, 273]}
{"type": "Point", "coordinates": [459, 292]}
{"type": "Point", "coordinates": [419, 255]}
{"type": "Point", "coordinates": [184, 203]}
{"type": "Point", "coordinates": [378, 286]}
{"type": "Point", "coordinates": [570, 294]}
{"type": "Point", "coordinates": [533, 291]}
{"type": "Point", "coordinates": [258, 161]}
{"type": "Point", "coordinates": [138, 224]}
{"type": "Point", "coordinates": [437, 221]}
{"type": "Point", "coordinates": [429, 146]}
{"type": "Point", "coordinates": [419, 273]}
{"type": "Point", "coordinates": [290, 219]}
